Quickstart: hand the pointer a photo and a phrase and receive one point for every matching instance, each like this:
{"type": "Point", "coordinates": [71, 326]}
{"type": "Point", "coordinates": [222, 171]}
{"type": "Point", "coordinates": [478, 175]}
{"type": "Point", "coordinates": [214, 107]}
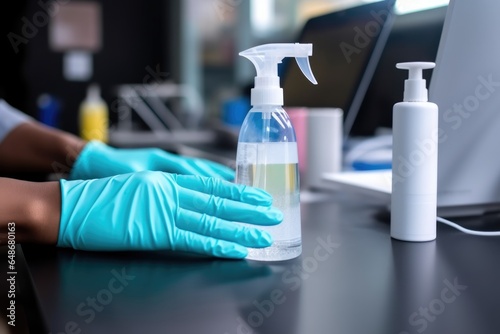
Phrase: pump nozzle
{"type": "Point", "coordinates": [266, 58]}
{"type": "Point", "coordinates": [415, 90]}
{"type": "Point", "coordinates": [304, 66]}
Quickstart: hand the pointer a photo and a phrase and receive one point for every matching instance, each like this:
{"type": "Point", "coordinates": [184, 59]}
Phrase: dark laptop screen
{"type": "Point", "coordinates": [343, 43]}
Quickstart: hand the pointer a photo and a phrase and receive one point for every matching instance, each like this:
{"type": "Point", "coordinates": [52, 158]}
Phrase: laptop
{"type": "Point", "coordinates": [466, 86]}
{"type": "Point", "coordinates": [347, 45]}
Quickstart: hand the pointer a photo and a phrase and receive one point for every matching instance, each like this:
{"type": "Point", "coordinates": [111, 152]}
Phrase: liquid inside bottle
{"type": "Point", "coordinates": [273, 166]}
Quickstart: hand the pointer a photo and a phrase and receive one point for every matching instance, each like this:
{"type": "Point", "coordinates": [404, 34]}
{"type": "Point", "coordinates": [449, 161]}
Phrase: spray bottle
{"type": "Point", "coordinates": [267, 155]}
{"type": "Point", "coordinates": [414, 160]}
{"type": "Point", "coordinates": [94, 116]}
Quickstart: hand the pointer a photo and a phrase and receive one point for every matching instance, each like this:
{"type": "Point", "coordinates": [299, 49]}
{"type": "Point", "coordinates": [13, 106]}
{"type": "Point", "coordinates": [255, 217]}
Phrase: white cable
{"type": "Point", "coordinates": [466, 230]}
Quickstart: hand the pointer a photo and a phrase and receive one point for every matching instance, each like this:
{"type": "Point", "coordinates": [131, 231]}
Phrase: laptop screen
{"type": "Point", "coordinates": [343, 45]}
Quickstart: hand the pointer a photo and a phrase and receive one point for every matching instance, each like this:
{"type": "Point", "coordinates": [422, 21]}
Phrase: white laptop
{"type": "Point", "coordinates": [466, 86]}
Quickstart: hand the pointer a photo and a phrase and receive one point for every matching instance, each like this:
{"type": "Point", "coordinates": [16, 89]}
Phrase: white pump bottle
{"type": "Point", "coordinates": [414, 160]}
{"type": "Point", "coordinates": [267, 148]}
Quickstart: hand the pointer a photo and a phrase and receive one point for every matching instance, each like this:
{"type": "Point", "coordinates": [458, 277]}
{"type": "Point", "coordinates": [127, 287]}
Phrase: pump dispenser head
{"type": "Point", "coordinates": [415, 90]}
{"type": "Point", "coordinates": [266, 58]}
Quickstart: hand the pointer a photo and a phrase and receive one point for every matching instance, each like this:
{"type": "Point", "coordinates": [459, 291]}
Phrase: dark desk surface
{"type": "Point", "coordinates": [364, 282]}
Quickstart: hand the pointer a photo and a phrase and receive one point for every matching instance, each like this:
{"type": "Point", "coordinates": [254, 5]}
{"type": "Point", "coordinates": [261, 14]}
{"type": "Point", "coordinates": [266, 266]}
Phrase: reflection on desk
{"type": "Point", "coordinates": [351, 278]}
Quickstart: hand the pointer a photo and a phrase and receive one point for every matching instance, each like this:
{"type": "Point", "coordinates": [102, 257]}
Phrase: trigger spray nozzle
{"type": "Point", "coordinates": [266, 58]}
{"type": "Point", "coordinates": [415, 90]}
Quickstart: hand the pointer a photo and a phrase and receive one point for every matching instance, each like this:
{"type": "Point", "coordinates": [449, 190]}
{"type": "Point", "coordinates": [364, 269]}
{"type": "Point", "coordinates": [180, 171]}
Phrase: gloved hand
{"type": "Point", "coordinates": [155, 211]}
{"type": "Point", "coordinates": [98, 160]}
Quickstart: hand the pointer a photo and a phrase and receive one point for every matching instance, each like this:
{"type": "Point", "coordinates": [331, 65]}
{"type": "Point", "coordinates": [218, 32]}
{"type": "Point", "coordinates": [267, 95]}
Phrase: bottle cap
{"type": "Point", "coordinates": [94, 93]}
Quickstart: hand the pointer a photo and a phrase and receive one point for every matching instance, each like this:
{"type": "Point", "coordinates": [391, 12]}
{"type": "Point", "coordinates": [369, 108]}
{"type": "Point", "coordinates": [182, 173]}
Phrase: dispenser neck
{"type": "Point", "coordinates": [267, 92]}
{"type": "Point", "coordinates": [415, 91]}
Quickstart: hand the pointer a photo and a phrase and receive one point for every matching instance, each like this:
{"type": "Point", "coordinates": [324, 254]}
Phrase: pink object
{"type": "Point", "coordinates": [298, 116]}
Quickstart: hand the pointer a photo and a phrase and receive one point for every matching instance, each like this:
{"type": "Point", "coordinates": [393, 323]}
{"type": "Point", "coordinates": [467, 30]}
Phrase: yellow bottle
{"type": "Point", "coordinates": [94, 116]}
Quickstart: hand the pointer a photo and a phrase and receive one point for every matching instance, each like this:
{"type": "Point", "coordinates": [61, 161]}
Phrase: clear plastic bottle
{"type": "Point", "coordinates": [267, 158]}
{"type": "Point", "coordinates": [267, 155]}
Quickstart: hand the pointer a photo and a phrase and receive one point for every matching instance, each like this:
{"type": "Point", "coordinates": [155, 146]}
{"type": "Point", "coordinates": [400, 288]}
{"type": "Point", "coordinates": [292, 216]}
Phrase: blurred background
{"type": "Point", "coordinates": [55, 50]}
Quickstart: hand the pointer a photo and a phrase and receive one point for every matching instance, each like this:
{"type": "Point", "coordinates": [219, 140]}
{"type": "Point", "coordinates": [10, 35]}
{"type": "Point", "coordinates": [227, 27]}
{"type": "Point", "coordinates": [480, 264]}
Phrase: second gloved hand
{"type": "Point", "coordinates": [160, 211]}
{"type": "Point", "coordinates": [99, 160]}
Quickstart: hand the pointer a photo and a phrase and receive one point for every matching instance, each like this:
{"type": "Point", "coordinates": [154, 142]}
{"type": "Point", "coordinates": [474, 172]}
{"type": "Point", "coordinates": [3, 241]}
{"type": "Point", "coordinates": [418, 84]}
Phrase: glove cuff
{"type": "Point", "coordinates": [66, 236]}
{"type": "Point", "coordinates": [94, 161]}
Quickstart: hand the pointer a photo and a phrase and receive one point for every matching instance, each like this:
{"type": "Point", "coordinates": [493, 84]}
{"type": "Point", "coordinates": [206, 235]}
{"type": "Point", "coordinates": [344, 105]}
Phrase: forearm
{"type": "Point", "coordinates": [35, 208]}
{"type": "Point", "coordinates": [33, 147]}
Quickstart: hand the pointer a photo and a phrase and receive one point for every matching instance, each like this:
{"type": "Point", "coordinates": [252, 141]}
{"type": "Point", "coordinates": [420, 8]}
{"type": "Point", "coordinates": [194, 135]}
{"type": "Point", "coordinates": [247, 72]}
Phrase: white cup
{"type": "Point", "coordinates": [324, 144]}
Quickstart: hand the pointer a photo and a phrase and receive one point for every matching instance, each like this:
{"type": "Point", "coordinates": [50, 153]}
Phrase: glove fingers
{"type": "Point", "coordinates": [200, 244]}
{"type": "Point", "coordinates": [219, 188]}
{"type": "Point", "coordinates": [182, 167]}
{"type": "Point", "coordinates": [222, 171]}
{"type": "Point", "coordinates": [228, 209]}
{"type": "Point", "coordinates": [221, 229]}
{"type": "Point", "coordinates": [207, 168]}
{"type": "Point", "coordinates": [191, 166]}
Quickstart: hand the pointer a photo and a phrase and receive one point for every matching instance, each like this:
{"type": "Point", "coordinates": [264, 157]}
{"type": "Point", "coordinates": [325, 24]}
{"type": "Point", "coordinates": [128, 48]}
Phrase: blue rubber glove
{"type": "Point", "coordinates": [161, 211]}
{"type": "Point", "coordinates": [99, 160]}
